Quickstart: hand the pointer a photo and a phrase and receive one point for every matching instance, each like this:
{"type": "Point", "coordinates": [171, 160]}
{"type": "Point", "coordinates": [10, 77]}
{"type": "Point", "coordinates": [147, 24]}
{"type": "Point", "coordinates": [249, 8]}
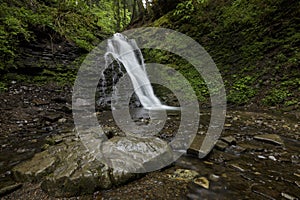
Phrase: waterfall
{"type": "Point", "coordinates": [126, 52]}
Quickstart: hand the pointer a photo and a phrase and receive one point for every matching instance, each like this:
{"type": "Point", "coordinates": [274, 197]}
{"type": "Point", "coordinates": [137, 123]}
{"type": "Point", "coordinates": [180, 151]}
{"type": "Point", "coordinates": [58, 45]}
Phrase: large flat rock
{"type": "Point", "coordinates": [68, 169]}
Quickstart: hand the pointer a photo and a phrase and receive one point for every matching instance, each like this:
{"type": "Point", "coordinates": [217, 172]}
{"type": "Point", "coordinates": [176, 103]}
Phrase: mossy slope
{"type": "Point", "coordinates": [255, 44]}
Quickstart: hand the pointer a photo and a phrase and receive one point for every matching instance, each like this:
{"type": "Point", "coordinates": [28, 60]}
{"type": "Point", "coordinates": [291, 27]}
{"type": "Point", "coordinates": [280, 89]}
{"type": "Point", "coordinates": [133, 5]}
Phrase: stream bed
{"type": "Point", "coordinates": [256, 157]}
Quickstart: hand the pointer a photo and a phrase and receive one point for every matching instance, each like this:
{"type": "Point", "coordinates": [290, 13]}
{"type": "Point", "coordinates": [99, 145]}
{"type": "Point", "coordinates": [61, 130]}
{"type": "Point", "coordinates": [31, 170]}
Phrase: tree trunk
{"type": "Point", "coordinates": [140, 7]}
{"type": "Point", "coordinates": [134, 11]}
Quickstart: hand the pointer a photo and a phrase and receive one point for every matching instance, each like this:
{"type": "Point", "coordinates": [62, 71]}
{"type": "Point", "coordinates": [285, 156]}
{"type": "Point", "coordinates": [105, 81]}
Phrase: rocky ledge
{"type": "Point", "coordinates": [65, 168]}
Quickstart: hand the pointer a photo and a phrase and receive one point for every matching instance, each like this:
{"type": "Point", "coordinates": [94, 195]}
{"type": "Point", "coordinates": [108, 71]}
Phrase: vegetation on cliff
{"type": "Point", "coordinates": [83, 23]}
{"type": "Point", "coordinates": [255, 44]}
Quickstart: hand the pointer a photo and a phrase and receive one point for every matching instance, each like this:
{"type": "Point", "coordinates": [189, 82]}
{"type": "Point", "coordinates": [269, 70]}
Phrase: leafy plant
{"type": "Point", "coordinates": [185, 10]}
{"type": "Point", "coordinates": [242, 91]}
{"type": "Point", "coordinates": [3, 87]}
{"type": "Point", "coordinates": [291, 102]}
{"type": "Point", "coordinates": [276, 96]}
{"type": "Point", "coordinates": [255, 39]}
{"type": "Point", "coordinates": [84, 23]}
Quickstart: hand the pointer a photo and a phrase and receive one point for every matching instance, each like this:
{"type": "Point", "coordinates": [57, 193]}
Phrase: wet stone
{"type": "Point", "coordinates": [229, 139]}
{"type": "Point", "coordinates": [52, 117]}
{"type": "Point", "coordinates": [138, 154]}
{"type": "Point", "coordinates": [237, 167]}
{"type": "Point", "coordinates": [236, 150]}
{"type": "Point", "coordinates": [214, 177]}
{"type": "Point", "coordinates": [202, 181]}
{"type": "Point", "coordinates": [271, 138]}
{"type": "Point", "coordinates": [71, 178]}
{"type": "Point", "coordinates": [62, 120]}
{"type": "Point", "coordinates": [195, 148]}
{"type": "Point", "coordinates": [288, 196]}
{"type": "Point", "coordinates": [183, 174]}
{"type": "Point", "coordinates": [39, 166]}
{"type": "Point", "coordinates": [67, 169]}
{"type": "Point", "coordinates": [220, 145]}
{"type": "Point", "coordinates": [272, 158]}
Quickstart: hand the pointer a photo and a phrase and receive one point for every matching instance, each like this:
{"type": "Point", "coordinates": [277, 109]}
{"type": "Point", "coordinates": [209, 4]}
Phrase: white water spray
{"type": "Point", "coordinates": [126, 51]}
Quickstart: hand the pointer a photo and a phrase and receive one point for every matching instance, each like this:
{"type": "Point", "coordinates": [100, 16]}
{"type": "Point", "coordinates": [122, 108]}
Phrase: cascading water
{"type": "Point", "coordinates": [127, 53]}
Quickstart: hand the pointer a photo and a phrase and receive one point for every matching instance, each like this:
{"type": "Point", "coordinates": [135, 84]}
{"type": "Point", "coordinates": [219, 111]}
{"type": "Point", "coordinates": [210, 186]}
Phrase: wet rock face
{"type": "Point", "coordinates": [135, 154]}
{"type": "Point", "coordinates": [67, 169]}
{"type": "Point", "coordinates": [40, 165]}
{"type": "Point", "coordinates": [43, 53]}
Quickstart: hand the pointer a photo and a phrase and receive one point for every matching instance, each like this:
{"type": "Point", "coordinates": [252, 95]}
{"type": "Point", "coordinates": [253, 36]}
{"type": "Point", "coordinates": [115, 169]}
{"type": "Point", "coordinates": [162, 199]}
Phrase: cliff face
{"type": "Point", "coordinates": [255, 44]}
{"type": "Point", "coordinates": [45, 37]}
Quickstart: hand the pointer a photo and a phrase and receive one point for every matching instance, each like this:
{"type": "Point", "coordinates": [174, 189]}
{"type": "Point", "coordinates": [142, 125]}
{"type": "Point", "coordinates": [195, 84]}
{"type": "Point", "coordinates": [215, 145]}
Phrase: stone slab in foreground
{"type": "Point", "coordinates": [67, 169]}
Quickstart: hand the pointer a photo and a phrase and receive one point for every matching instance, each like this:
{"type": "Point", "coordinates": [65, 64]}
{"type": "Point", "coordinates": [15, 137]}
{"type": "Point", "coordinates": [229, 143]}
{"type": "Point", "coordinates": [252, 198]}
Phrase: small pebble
{"type": "Point", "coordinates": [261, 157]}
{"type": "Point", "coordinates": [214, 177]}
{"type": "Point", "coordinates": [202, 181]}
{"type": "Point", "coordinates": [272, 158]}
{"type": "Point", "coordinates": [288, 196]}
{"type": "Point", "coordinates": [62, 120]}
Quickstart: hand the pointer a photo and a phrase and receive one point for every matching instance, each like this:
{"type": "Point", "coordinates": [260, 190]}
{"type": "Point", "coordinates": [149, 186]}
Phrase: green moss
{"type": "Point", "coordinates": [256, 40]}
{"type": "Point", "coordinates": [164, 21]}
{"type": "Point", "coordinates": [276, 96]}
{"type": "Point", "coordinates": [291, 102]}
{"type": "Point", "coordinates": [182, 66]}
{"type": "Point", "coordinates": [3, 87]}
{"type": "Point", "coordinates": [242, 91]}
{"type": "Point", "coordinates": [24, 22]}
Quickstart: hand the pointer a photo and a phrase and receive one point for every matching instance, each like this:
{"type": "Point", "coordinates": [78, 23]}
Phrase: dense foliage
{"type": "Point", "coordinates": [255, 43]}
{"type": "Point", "coordinates": [82, 22]}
